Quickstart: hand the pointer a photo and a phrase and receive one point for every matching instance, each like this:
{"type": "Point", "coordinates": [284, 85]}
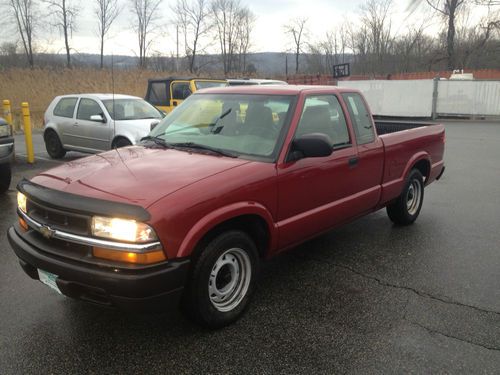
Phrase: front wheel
{"type": "Point", "coordinates": [222, 280]}
{"type": "Point", "coordinates": [405, 210]}
{"type": "Point", "coordinates": [121, 142]}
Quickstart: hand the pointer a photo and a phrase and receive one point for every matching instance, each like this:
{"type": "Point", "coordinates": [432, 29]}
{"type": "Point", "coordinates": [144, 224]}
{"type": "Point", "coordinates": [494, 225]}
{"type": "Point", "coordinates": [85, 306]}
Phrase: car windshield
{"type": "Point", "coordinates": [131, 109]}
{"type": "Point", "coordinates": [207, 84]}
{"type": "Point", "coordinates": [247, 126]}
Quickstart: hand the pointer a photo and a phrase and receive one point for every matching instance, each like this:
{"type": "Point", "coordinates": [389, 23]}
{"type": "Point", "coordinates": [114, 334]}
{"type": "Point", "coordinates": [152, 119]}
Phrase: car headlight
{"type": "Point", "coordinates": [21, 201]}
{"type": "Point", "coordinates": [4, 130]}
{"type": "Point", "coordinates": [122, 229]}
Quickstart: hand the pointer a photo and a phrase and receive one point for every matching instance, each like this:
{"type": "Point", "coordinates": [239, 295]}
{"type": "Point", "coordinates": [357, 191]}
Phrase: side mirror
{"type": "Point", "coordinates": [153, 125]}
{"type": "Point", "coordinates": [314, 145]}
{"type": "Point", "coordinates": [98, 118]}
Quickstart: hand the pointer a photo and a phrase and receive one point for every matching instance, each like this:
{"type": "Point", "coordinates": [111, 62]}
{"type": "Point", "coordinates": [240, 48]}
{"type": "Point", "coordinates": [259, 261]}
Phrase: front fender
{"type": "Point", "coordinates": [219, 216]}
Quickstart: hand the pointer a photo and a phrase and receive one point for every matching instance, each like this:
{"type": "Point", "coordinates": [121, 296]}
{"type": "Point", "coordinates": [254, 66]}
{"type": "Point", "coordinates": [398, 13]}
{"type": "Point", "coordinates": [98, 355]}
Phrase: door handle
{"type": "Point", "coordinates": [353, 162]}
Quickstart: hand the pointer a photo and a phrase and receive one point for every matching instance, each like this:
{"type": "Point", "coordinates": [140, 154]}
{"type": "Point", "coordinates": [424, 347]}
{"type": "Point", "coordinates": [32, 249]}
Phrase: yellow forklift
{"type": "Point", "coordinates": [167, 93]}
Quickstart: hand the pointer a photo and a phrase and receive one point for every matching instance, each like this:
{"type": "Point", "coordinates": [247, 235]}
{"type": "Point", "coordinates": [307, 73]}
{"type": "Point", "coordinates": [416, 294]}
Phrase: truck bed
{"type": "Point", "coordinates": [389, 126]}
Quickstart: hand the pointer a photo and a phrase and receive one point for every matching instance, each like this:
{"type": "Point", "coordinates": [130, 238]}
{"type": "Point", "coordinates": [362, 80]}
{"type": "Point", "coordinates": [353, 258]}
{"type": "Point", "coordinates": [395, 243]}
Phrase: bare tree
{"type": "Point", "coordinates": [375, 19]}
{"type": "Point", "coordinates": [226, 16]}
{"type": "Point", "coordinates": [145, 18]}
{"type": "Point", "coordinates": [246, 19]}
{"type": "Point", "coordinates": [192, 16]}
{"type": "Point", "coordinates": [64, 13]}
{"type": "Point", "coordinates": [24, 12]}
{"type": "Point", "coordinates": [106, 12]}
{"type": "Point", "coordinates": [296, 28]}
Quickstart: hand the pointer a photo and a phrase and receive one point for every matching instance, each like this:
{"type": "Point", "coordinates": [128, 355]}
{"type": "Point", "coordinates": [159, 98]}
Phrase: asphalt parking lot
{"type": "Point", "coordinates": [365, 298]}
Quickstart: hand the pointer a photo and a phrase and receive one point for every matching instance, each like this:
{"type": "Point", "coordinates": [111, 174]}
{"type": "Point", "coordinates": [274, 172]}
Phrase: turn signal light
{"type": "Point", "coordinates": [150, 257]}
{"type": "Point", "coordinates": [23, 224]}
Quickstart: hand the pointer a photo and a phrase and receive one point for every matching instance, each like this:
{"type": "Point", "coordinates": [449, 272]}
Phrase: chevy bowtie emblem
{"type": "Point", "coordinates": [47, 232]}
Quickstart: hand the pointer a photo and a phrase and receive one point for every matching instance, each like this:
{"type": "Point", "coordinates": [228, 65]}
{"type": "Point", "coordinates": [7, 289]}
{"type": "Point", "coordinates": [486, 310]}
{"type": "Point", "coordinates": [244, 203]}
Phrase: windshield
{"type": "Point", "coordinates": [247, 126]}
{"type": "Point", "coordinates": [207, 84]}
{"type": "Point", "coordinates": [131, 109]}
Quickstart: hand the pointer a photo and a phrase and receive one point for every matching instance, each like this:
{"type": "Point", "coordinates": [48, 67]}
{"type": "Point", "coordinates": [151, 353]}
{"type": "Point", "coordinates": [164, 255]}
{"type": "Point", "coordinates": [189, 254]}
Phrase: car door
{"type": "Point", "coordinates": [87, 134]}
{"type": "Point", "coordinates": [314, 193]}
{"type": "Point", "coordinates": [64, 117]}
{"type": "Point", "coordinates": [180, 90]}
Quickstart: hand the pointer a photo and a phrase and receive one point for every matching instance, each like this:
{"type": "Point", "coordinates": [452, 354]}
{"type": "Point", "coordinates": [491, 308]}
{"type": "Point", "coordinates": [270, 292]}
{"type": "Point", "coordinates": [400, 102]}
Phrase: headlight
{"type": "Point", "coordinates": [4, 130]}
{"type": "Point", "coordinates": [21, 201]}
{"type": "Point", "coordinates": [122, 230]}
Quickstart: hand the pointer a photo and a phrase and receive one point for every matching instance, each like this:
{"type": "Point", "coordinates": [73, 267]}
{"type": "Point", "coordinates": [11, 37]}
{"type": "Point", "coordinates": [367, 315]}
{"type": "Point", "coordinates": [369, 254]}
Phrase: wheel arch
{"type": "Point", "coordinates": [254, 219]}
{"type": "Point", "coordinates": [121, 136]}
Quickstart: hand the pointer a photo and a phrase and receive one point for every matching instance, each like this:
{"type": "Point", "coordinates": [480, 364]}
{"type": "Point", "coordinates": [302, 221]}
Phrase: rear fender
{"type": "Point", "coordinates": [393, 188]}
{"type": "Point", "coordinates": [219, 216]}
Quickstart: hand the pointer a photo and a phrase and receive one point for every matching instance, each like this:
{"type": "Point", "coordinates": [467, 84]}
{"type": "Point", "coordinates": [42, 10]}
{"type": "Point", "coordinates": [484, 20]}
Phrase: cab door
{"type": "Point", "coordinates": [314, 194]}
{"type": "Point", "coordinates": [179, 90]}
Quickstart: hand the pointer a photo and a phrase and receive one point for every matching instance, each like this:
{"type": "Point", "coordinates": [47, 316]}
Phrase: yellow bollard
{"type": "Point", "coordinates": [27, 132]}
{"type": "Point", "coordinates": [7, 113]}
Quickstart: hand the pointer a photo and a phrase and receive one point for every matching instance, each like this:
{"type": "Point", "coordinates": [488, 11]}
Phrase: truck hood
{"type": "Point", "coordinates": [136, 175]}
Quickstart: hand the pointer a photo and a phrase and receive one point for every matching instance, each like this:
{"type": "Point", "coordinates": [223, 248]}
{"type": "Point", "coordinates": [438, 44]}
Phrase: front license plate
{"type": "Point", "coordinates": [48, 279]}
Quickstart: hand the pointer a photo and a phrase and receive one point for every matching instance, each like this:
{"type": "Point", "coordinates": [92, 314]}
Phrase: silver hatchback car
{"type": "Point", "coordinates": [96, 122]}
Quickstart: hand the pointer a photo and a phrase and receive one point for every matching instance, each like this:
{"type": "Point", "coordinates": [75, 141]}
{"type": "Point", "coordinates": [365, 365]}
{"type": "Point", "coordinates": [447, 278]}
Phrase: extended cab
{"type": "Point", "coordinates": [167, 93]}
{"type": "Point", "coordinates": [210, 193]}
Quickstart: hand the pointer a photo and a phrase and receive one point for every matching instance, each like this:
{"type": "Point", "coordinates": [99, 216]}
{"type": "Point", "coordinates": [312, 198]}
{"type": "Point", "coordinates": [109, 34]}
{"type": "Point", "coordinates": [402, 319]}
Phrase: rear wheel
{"type": "Point", "coordinates": [5, 177]}
{"type": "Point", "coordinates": [406, 208]}
{"type": "Point", "coordinates": [222, 280]}
{"type": "Point", "coordinates": [53, 145]}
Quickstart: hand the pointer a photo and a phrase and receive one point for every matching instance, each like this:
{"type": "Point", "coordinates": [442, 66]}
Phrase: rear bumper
{"type": "Point", "coordinates": [155, 288]}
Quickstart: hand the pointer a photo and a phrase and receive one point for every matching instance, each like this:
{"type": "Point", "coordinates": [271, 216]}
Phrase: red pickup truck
{"type": "Point", "coordinates": [232, 176]}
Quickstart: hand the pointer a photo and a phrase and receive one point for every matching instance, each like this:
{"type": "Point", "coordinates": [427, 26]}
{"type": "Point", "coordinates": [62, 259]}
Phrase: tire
{"type": "Point", "coordinates": [222, 280]}
{"type": "Point", "coordinates": [406, 208]}
{"type": "Point", "coordinates": [5, 177]}
{"type": "Point", "coordinates": [53, 145]}
{"type": "Point", "coordinates": [121, 142]}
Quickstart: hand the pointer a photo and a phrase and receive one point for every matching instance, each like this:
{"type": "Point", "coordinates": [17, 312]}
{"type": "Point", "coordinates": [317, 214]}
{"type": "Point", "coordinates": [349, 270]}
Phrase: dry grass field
{"type": "Point", "coordinates": [39, 86]}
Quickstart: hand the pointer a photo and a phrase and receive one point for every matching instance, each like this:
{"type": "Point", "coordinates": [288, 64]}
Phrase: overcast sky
{"type": "Point", "coordinates": [267, 36]}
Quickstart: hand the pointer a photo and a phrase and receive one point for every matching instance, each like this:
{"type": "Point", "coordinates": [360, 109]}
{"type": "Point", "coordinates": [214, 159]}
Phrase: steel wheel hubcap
{"type": "Point", "coordinates": [229, 279]}
{"type": "Point", "coordinates": [413, 197]}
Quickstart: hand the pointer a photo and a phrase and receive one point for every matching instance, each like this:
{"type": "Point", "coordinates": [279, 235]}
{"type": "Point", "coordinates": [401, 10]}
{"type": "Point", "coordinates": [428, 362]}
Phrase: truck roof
{"type": "Point", "coordinates": [274, 89]}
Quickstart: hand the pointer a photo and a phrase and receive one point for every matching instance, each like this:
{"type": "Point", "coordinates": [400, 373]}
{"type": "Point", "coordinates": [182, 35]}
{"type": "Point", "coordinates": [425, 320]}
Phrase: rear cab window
{"type": "Point", "coordinates": [360, 117]}
{"type": "Point", "coordinates": [65, 107]}
{"type": "Point", "coordinates": [157, 94]}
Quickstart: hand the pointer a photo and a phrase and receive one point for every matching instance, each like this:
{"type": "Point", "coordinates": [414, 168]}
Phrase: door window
{"type": "Point", "coordinates": [87, 108]}
{"type": "Point", "coordinates": [65, 107]}
{"type": "Point", "coordinates": [323, 114]}
{"type": "Point", "coordinates": [180, 90]}
{"type": "Point", "coordinates": [361, 119]}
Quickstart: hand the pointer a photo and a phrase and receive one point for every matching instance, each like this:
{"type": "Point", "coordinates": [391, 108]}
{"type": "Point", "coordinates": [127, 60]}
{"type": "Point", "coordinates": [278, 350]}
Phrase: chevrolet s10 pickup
{"type": "Point", "coordinates": [233, 176]}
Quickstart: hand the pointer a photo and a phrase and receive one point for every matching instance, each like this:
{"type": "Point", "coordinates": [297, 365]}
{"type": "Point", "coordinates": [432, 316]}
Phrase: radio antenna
{"type": "Point", "coordinates": [113, 93]}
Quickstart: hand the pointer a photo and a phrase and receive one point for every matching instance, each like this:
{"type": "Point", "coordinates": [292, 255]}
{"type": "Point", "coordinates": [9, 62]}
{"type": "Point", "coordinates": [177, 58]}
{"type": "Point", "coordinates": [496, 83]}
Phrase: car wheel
{"type": "Point", "coordinates": [406, 208]}
{"type": "Point", "coordinates": [53, 145]}
{"type": "Point", "coordinates": [122, 142]}
{"type": "Point", "coordinates": [222, 280]}
{"type": "Point", "coordinates": [5, 177]}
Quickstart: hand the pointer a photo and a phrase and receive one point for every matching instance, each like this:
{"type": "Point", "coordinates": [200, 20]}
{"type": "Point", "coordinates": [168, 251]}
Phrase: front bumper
{"type": "Point", "coordinates": [6, 149]}
{"type": "Point", "coordinates": [148, 288]}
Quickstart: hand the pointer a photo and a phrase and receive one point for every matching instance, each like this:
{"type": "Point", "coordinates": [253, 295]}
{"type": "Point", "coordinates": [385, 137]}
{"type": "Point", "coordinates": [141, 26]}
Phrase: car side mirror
{"type": "Point", "coordinates": [98, 118]}
{"type": "Point", "coordinates": [314, 145]}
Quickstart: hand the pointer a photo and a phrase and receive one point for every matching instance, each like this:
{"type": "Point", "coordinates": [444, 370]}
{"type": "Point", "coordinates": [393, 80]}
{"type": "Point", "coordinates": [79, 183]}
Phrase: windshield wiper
{"type": "Point", "coordinates": [217, 130]}
{"type": "Point", "coordinates": [156, 140]}
{"type": "Point", "coordinates": [202, 147]}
